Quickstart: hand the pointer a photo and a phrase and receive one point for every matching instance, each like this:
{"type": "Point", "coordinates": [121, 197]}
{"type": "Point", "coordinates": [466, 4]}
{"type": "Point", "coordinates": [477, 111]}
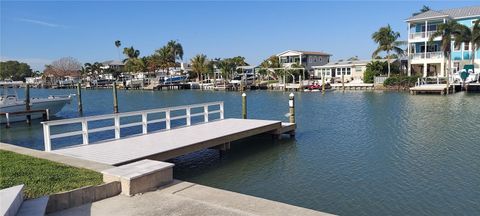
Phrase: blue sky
{"type": "Point", "coordinates": [39, 32]}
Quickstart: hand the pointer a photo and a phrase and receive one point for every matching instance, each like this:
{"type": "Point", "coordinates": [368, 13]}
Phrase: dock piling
{"type": "Point", "coordinates": [291, 104]}
{"type": "Point", "coordinates": [343, 81]}
{"type": "Point", "coordinates": [244, 106]}
{"type": "Point", "coordinates": [7, 118]}
{"type": "Point", "coordinates": [79, 97]}
{"type": "Point", "coordinates": [323, 83]}
{"type": "Point", "coordinates": [115, 100]}
{"type": "Point", "coordinates": [27, 103]}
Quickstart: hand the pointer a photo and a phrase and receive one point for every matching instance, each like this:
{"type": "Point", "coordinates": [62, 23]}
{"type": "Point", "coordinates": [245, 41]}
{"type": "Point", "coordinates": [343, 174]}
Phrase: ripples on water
{"type": "Point", "coordinates": [355, 153]}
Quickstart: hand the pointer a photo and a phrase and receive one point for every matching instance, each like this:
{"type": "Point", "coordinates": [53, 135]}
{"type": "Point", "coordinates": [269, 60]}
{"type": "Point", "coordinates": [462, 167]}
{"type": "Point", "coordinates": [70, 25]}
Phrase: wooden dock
{"type": "Point", "coordinates": [172, 143]}
{"type": "Point", "coordinates": [430, 89]}
{"type": "Point", "coordinates": [353, 86]}
{"type": "Point", "coordinates": [164, 144]}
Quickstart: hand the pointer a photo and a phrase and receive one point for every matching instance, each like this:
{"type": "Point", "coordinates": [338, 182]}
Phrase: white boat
{"type": "Point", "coordinates": [9, 102]}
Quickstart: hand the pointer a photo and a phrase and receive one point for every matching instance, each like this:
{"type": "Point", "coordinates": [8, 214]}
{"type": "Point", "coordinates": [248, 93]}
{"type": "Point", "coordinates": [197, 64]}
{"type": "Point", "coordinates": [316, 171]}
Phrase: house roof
{"type": "Point", "coordinates": [454, 13]}
{"type": "Point", "coordinates": [299, 52]}
{"type": "Point", "coordinates": [113, 62]}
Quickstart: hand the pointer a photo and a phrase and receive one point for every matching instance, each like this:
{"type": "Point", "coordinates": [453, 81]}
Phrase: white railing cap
{"type": "Point", "coordinates": [125, 114]}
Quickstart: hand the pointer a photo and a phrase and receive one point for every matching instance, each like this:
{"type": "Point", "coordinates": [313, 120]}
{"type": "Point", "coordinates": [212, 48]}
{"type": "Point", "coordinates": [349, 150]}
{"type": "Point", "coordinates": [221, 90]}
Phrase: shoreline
{"type": "Point", "coordinates": [179, 197]}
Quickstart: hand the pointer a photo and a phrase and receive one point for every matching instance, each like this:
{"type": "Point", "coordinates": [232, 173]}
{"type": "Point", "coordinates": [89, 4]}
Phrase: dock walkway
{"type": "Point", "coordinates": [168, 144]}
{"type": "Point", "coordinates": [429, 88]}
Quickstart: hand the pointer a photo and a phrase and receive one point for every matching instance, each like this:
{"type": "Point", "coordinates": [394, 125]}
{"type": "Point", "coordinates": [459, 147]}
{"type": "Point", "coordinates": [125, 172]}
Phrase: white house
{"type": "Point", "coordinates": [427, 59]}
{"type": "Point", "coordinates": [307, 59]}
{"type": "Point", "coordinates": [352, 70]}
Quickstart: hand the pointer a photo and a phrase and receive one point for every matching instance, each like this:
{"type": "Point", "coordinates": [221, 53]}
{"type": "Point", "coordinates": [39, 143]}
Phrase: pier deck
{"type": "Point", "coordinates": [168, 144]}
{"type": "Point", "coordinates": [429, 88]}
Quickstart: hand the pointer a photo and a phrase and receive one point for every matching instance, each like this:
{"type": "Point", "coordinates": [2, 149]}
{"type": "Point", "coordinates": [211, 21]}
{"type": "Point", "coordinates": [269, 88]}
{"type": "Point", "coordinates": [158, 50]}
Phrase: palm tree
{"type": "Point", "coordinates": [118, 43]}
{"type": "Point", "coordinates": [131, 62]}
{"type": "Point", "coordinates": [448, 31]}
{"type": "Point", "coordinates": [470, 35]}
{"type": "Point", "coordinates": [164, 57]}
{"type": "Point", "coordinates": [130, 52]}
{"type": "Point", "coordinates": [386, 39]}
{"type": "Point", "coordinates": [422, 10]}
{"type": "Point", "coordinates": [226, 66]}
{"type": "Point", "coordinates": [199, 65]}
{"type": "Point", "coordinates": [176, 50]}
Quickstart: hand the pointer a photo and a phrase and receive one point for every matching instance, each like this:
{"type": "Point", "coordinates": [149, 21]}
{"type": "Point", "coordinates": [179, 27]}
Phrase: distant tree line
{"type": "Point", "coordinates": [15, 70]}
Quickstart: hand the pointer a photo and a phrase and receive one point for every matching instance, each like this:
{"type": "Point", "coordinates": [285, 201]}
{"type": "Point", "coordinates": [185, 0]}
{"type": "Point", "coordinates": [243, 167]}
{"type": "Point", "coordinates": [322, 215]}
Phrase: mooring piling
{"type": "Point", "coordinates": [27, 103]}
{"type": "Point", "coordinates": [291, 105]}
{"type": "Point", "coordinates": [244, 105]}
{"type": "Point", "coordinates": [79, 97]}
{"type": "Point", "coordinates": [115, 100]}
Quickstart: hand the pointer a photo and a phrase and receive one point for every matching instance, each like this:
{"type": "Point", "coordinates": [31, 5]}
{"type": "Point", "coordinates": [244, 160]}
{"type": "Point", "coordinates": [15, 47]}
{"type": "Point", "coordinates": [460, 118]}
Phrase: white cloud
{"type": "Point", "coordinates": [42, 23]}
{"type": "Point", "coordinates": [35, 63]}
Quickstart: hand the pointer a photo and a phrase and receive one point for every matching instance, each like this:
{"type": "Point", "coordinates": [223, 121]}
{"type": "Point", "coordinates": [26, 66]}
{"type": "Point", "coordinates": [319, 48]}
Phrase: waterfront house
{"type": "Point", "coordinates": [352, 70]}
{"type": "Point", "coordinates": [306, 59]}
{"type": "Point", "coordinates": [427, 59]}
{"type": "Point", "coordinates": [113, 64]}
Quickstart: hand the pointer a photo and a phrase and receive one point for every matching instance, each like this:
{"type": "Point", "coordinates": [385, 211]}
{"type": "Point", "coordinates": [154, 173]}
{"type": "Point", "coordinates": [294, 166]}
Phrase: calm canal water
{"type": "Point", "coordinates": [355, 153]}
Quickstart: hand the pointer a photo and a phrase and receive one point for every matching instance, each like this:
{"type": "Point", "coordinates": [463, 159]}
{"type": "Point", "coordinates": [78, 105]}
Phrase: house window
{"type": "Point", "coordinates": [339, 71]}
{"type": "Point", "coordinates": [358, 69]}
{"type": "Point", "coordinates": [466, 46]}
{"type": "Point", "coordinates": [432, 48]}
{"type": "Point", "coordinates": [348, 71]}
{"type": "Point", "coordinates": [432, 27]}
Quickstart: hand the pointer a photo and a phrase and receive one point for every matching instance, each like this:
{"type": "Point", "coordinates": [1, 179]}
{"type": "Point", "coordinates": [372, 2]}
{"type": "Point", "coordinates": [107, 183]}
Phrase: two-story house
{"type": "Point", "coordinates": [307, 59]}
{"type": "Point", "coordinates": [427, 59]}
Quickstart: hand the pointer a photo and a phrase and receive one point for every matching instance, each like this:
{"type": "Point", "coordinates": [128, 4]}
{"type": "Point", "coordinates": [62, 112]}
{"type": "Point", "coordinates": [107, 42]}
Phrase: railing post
{"type": "Point", "coordinates": [167, 120]}
{"type": "Point", "coordinates": [189, 118]}
{"type": "Point", "coordinates": [85, 131]}
{"type": "Point", "coordinates": [46, 137]}
{"type": "Point", "coordinates": [47, 111]}
{"type": "Point", "coordinates": [117, 126]}
{"type": "Point", "coordinates": [222, 111]}
{"type": "Point", "coordinates": [144, 123]}
{"type": "Point", "coordinates": [205, 113]}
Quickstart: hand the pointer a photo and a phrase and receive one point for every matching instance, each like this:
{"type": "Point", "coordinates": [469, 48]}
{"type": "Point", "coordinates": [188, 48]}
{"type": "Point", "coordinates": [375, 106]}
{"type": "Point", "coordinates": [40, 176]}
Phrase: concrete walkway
{"type": "Point", "coordinates": [75, 162]}
{"type": "Point", "coordinates": [184, 198]}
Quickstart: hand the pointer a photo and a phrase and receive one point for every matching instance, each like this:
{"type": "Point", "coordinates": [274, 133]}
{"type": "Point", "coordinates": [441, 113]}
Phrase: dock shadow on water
{"type": "Point", "coordinates": [252, 155]}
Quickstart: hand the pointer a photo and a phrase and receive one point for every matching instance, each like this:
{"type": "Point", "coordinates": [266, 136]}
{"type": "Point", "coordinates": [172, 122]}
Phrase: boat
{"type": "Point", "coordinates": [174, 79]}
{"type": "Point", "coordinates": [315, 87]}
{"type": "Point", "coordinates": [9, 102]}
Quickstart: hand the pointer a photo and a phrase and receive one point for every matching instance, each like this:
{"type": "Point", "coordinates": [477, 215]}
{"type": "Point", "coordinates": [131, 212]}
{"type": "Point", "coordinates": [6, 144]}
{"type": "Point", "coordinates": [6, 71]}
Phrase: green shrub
{"type": "Point", "coordinates": [400, 81]}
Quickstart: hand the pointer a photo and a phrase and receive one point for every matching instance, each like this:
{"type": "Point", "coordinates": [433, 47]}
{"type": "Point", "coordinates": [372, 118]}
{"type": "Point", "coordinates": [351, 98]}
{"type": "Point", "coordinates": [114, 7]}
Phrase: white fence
{"type": "Point", "coordinates": [84, 121]}
{"type": "Point", "coordinates": [379, 79]}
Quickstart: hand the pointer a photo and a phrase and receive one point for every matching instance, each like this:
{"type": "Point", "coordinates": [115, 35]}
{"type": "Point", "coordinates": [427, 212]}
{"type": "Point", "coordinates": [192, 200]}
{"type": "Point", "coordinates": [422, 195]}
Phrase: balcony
{"type": "Point", "coordinates": [420, 35]}
{"type": "Point", "coordinates": [428, 55]}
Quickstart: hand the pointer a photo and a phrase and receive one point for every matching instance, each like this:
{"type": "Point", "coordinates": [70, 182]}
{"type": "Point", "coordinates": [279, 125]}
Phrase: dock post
{"type": "Point", "coordinates": [7, 118]}
{"type": "Point", "coordinates": [323, 83]}
{"type": "Point", "coordinates": [27, 103]}
{"type": "Point", "coordinates": [291, 105]}
{"type": "Point", "coordinates": [343, 81]}
{"type": "Point", "coordinates": [79, 97]}
{"type": "Point", "coordinates": [115, 100]}
{"type": "Point", "coordinates": [244, 106]}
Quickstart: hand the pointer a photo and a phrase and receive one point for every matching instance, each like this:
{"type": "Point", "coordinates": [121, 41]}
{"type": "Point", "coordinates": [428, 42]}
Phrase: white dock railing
{"type": "Point", "coordinates": [47, 136]}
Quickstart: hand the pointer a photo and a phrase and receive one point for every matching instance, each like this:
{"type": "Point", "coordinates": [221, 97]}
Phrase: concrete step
{"type": "Point", "coordinates": [10, 200]}
{"type": "Point", "coordinates": [33, 207]}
